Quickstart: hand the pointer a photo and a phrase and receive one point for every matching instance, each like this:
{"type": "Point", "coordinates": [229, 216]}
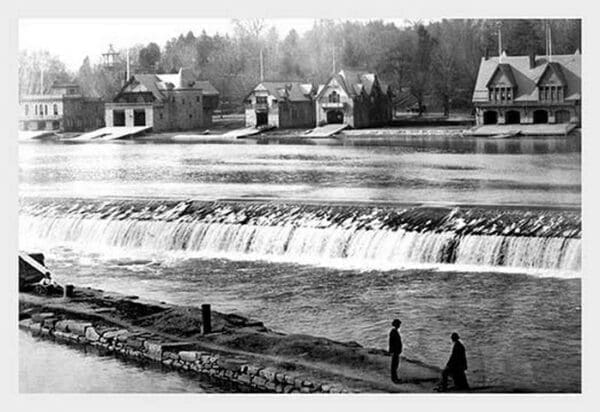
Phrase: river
{"type": "Point", "coordinates": [334, 240]}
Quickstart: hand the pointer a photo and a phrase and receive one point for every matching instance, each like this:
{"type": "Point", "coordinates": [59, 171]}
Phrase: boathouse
{"type": "Point", "coordinates": [164, 102]}
{"type": "Point", "coordinates": [355, 98]}
{"type": "Point", "coordinates": [281, 104]}
{"type": "Point", "coordinates": [63, 108]}
{"type": "Point", "coordinates": [528, 90]}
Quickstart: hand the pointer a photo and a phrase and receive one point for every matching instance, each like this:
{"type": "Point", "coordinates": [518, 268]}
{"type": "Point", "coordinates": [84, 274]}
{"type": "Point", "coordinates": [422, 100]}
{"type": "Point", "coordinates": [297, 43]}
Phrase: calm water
{"type": "Point", "coordinates": [519, 329]}
{"type": "Point", "coordinates": [397, 174]}
{"type": "Point", "coordinates": [47, 367]}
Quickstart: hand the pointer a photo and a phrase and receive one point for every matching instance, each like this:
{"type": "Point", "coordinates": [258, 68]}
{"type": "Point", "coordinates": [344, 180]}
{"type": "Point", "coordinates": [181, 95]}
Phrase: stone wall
{"type": "Point", "coordinates": [184, 356]}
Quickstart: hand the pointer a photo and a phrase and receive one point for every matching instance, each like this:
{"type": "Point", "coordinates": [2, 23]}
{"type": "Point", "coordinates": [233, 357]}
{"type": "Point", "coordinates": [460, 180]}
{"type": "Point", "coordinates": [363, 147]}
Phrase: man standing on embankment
{"type": "Point", "coordinates": [395, 349]}
{"type": "Point", "coordinates": [456, 366]}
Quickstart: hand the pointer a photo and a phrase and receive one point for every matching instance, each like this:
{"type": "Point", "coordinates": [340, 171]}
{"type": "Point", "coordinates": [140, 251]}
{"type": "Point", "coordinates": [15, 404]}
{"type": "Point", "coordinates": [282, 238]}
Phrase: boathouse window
{"type": "Point", "coordinates": [552, 93]}
{"type": "Point", "coordinates": [334, 97]}
{"type": "Point", "coordinates": [261, 99]}
{"type": "Point", "coordinates": [197, 99]}
{"type": "Point", "coordinates": [26, 109]}
{"type": "Point", "coordinates": [139, 117]}
{"type": "Point", "coordinates": [55, 109]}
{"type": "Point", "coordinates": [35, 109]}
{"type": "Point", "coordinates": [118, 118]}
{"type": "Point", "coordinates": [46, 109]}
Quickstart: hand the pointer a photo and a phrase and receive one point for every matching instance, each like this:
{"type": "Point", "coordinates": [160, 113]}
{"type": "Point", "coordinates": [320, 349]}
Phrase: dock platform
{"type": "Point", "coordinates": [560, 129]}
{"type": "Point", "coordinates": [326, 131]}
{"type": "Point", "coordinates": [110, 133]}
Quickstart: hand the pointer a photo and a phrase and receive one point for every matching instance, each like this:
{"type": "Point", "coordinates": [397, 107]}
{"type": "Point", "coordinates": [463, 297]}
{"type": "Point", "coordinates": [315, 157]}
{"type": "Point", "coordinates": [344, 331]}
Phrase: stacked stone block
{"type": "Point", "coordinates": [176, 355]}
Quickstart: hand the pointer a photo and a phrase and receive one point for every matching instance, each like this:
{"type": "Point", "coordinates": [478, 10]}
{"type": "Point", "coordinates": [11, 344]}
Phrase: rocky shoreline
{"type": "Point", "coordinates": [238, 351]}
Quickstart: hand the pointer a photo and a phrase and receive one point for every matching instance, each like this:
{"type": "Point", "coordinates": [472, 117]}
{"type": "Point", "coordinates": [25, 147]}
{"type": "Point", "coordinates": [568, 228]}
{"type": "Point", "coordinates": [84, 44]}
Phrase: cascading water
{"type": "Point", "coordinates": [365, 237]}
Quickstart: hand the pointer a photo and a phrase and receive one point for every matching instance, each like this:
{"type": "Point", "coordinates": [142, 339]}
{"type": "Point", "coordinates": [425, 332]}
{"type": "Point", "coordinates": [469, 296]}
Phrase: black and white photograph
{"type": "Point", "coordinates": [313, 206]}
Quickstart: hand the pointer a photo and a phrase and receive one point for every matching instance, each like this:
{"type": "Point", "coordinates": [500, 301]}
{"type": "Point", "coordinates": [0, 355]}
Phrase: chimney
{"type": "Point", "coordinates": [531, 60]}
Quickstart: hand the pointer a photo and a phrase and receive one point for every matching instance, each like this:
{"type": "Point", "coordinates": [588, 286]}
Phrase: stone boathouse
{"type": "Point", "coordinates": [355, 98]}
{"type": "Point", "coordinates": [63, 108]}
{"type": "Point", "coordinates": [528, 90]}
{"type": "Point", "coordinates": [281, 104]}
{"type": "Point", "coordinates": [164, 102]}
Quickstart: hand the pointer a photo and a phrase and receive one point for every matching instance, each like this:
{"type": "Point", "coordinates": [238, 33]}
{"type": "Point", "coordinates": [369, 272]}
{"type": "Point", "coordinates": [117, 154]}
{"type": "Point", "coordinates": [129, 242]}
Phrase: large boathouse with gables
{"type": "Point", "coordinates": [281, 104]}
{"type": "Point", "coordinates": [355, 98]}
{"type": "Point", "coordinates": [528, 90]}
{"type": "Point", "coordinates": [165, 102]}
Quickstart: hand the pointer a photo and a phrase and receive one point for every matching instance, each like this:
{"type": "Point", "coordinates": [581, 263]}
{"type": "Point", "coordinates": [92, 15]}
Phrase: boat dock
{"type": "Point", "coordinates": [110, 133]}
{"type": "Point", "coordinates": [510, 130]}
{"type": "Point", "coordinates": [326, 131]}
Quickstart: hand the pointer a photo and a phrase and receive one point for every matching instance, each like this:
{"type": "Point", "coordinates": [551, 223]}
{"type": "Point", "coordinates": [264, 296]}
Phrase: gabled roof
{"type": "Point", "coordinates": [353, 82]}
{"type": "Point", "coordinates": [554, 67]}
{"type": "Point", "coordinates": [292, 91]}
{"type": "Point", "coordinates": [527, 78]}
{"type": "Point", "coordinates": [505, 70]}
{"type": "Point", "coordinates": [158, 83]}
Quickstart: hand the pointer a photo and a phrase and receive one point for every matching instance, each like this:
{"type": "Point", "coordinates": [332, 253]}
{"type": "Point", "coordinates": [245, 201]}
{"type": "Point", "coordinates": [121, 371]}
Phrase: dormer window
{"type": "Point", "coordinates": [501, 94]}
{"type": "Point", "coordinates": [551, 93]}
{"type": "Point", "coordinates": [334, 97]}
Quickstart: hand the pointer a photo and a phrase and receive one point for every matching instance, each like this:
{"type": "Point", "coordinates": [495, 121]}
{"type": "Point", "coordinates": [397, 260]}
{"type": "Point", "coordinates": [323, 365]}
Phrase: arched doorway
{"type": "Point", "coordinates": [490, 117]}
{"type": "Point", "coordinates": [513, 117]}
{"type": "Point", "coordinates": [335, 116]}
{"type": "Point", "coordinates": [562, 116]}
{"type": "Point", "coordinates": [540, 116]}
{"type": "Point", "coordinates": [262, 118]}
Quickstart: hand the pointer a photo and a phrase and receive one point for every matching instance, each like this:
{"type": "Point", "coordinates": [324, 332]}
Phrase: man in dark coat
{"type": "Point", "coordinates": [395, 349]}
{"type": "Point", "coordinates": [456, 366]}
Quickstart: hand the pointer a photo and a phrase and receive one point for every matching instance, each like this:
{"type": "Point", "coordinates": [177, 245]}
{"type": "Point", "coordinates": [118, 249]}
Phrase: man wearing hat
{"type": "Point", "coordinates": [456, 366]}
{"type": "Point", "coordinates": [395, 349]}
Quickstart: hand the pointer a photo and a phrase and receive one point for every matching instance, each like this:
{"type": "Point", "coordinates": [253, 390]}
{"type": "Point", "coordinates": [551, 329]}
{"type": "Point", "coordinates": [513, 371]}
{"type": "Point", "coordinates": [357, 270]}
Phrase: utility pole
{"type": "Point", "coordinates": [128, 68]}
{"type": "Point", "coordinates": [262, 69]}
{"type": "Point", "coordinates": [333, 57]}
{"type": "Point", "coordinates": [41, 79]}
{"type": "Point", "coordinates": [500, 45]}
{"type": "Point", "coordinates": [550, 42]}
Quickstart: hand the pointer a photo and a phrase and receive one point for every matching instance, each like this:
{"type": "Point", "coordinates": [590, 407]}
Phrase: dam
{"type": "Point", "coordinates": [346, 236]}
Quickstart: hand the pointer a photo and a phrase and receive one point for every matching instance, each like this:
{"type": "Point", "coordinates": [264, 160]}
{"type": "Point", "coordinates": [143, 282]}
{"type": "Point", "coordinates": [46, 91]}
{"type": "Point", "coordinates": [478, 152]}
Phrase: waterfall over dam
{"type": "Point", "coordinates": [367, 237]}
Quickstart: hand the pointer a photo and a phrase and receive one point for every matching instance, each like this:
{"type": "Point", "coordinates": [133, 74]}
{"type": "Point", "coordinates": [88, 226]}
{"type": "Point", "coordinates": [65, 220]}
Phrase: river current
{"type": "Point", "coordinates": [334, 241]}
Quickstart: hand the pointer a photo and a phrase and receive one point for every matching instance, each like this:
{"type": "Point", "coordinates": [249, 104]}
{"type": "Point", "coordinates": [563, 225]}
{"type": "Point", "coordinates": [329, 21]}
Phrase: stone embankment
{"type": "Point", "coordinates": [147, 347]}
{"type": "Point", "coordinates": [144, 347]}
{"type": "Point", "coordinates": [237, 351]}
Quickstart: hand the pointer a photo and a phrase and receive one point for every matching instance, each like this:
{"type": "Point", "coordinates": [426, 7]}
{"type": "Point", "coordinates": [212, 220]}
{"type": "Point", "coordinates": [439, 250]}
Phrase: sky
{"type": "Point", "coordinates": [72, 39]}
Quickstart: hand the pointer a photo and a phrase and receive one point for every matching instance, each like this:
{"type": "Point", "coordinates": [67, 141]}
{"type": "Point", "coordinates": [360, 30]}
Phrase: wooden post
{"type": "Point", "coordinates": [69, 291]}
{"type": "Point", "coordinates": [206, 327]}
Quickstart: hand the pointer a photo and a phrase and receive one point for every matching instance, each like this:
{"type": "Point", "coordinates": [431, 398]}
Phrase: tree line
{"type": "Point", "coordinates": [436, 62]}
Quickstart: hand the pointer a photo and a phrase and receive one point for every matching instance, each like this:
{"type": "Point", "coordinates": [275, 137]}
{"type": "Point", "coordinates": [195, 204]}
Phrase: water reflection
{"type": "Point", "coordinates": [49, 367]}
{"type": "Point", "coordinates": [442, 169]}
{"type": "Point", "coordinates": [460, 144]}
